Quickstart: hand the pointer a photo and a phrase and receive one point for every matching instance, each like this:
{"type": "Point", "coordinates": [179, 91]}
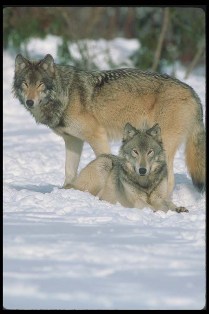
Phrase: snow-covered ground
{"type": "Point", "coordinates": [65, 249]}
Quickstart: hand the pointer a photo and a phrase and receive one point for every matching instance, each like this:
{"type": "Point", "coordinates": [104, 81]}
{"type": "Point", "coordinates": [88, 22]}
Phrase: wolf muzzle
{"type": "Point", "coordinates": [142, 171]}
{"type": "Point", "coordinates": [29, 103]}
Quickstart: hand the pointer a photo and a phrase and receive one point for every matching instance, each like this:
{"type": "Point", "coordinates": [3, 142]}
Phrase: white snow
{"type": "Point", "coordinates": [65, 249]}
{"type": "Point", "coordinates": [116, 51]}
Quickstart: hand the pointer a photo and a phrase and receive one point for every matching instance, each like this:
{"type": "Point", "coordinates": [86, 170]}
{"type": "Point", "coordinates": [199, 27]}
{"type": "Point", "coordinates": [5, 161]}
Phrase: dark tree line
{"type": "Point", "coordinates": [166, 34]}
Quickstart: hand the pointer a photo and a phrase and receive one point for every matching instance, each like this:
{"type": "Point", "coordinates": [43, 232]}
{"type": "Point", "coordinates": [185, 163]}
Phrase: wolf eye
{"type": "Point", "coordinates": [41, 84]}
{"type": "Point", "coordinates": [135, 152]}
{"type": "Point", "coordinates": [150, 152]}
{"type": "Point", "coordinates": [24, 84]}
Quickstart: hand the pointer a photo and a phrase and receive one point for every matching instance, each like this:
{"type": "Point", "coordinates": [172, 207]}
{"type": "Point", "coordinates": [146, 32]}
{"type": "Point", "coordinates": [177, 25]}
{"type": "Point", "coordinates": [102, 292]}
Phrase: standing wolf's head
{"type": "Point", "coordinates": [35, 85]}
{"type": "Point", "coordinates": [143, 149]}
{"type": "Point", "coordinates": [33, 81]}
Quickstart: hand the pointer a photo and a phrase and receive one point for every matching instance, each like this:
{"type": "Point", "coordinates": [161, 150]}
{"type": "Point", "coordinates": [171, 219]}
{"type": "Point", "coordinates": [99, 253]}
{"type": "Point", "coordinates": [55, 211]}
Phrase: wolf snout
{"type": "Point", "coordinates": [29, 103]}
{"type": "Point", "coordinates": [142, 171]}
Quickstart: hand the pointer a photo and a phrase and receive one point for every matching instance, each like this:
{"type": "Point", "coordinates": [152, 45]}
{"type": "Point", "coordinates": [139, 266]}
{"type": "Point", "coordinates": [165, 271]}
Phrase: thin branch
{"type": "Point", "coordinates": [199, 53]}
{"type": "Point", "coordinates": [158, 51]}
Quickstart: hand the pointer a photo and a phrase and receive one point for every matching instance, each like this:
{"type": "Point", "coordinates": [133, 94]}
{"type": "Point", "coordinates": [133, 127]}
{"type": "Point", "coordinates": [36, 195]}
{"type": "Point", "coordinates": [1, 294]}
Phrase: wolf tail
{"type": "Point", "coordinates": [195, 155]}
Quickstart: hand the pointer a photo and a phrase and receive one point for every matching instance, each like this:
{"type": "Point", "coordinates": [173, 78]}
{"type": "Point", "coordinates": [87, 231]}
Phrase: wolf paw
{"type": "Point", "coordinates": [67, 186]}
{"type": "Point", "coordinates": [181, 209]}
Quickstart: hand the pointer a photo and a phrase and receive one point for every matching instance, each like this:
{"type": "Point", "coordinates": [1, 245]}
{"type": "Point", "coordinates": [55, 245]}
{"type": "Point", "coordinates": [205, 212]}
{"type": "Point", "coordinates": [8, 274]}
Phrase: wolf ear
{"type": "Point", "coordinates": [129, 132]}
{"type": "Point", "coordinates": [47, 63]}
{"type": "Point", "coordinates": [155, 132]}
{"type": "Point", "coordinates": [20, 62]}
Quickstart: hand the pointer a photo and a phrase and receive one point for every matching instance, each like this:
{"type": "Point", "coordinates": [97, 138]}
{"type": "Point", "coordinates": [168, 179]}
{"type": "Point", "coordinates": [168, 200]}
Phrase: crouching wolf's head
{"type": "Point", "coordinates": [143, 149]}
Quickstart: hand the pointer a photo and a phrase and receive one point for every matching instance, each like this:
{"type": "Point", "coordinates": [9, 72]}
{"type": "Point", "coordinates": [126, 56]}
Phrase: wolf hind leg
{"type": "Point", "coordinates": [99, 142]}
{"type": "Point", "coordinates": [170, 153]}
{"type": "Point", "coordinates": [171, 180]}
{"type": "Point", "coordinates": [93, 177]}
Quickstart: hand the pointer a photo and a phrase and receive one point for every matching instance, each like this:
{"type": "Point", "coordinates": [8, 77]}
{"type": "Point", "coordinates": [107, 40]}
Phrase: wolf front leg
{"type": "Point", "coordinates": [73, 149]}
{"type": "Point", "coordinates": [164, 204]}
{"type": "Point", "coordinates": [168, 205]}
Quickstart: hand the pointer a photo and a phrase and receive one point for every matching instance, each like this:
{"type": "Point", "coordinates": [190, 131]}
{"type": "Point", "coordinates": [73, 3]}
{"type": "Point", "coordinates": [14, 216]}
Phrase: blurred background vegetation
{"type": "Point", "coordinates": [166, 34]}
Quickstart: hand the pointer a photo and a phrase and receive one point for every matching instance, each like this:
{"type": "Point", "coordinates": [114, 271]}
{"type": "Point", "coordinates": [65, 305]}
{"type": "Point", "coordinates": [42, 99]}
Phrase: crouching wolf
{"type": "Point", "coordinates": [94, 106]}
{"type": "Point", "coordinates": [136, 178]}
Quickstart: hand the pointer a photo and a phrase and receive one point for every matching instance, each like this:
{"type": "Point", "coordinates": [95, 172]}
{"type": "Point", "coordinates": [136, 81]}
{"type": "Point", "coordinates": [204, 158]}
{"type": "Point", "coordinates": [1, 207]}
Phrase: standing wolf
{"type": "Point", "coordinates": [94, 106]}
{"type": "Point", "coordinates": [136, 178]}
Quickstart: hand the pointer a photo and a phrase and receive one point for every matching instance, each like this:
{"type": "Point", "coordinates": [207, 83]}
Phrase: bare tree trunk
{"type": "Point", "coordinates": [129, 23]}
{"type": "Point", "coordinates": [113, 22]}
{"type": "Point", "coordinates": [95, 17]}
{"type": "Point", "coordinates": [200, 51]}
{"type": "Point", "coordinates": [166, 18]}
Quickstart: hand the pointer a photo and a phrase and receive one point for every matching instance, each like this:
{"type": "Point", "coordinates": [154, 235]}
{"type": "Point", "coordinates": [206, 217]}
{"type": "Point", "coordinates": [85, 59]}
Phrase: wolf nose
{"type": "Point", "coordinates": [142, 171]}
{"type": "Point", "coordinates": [29, 103]}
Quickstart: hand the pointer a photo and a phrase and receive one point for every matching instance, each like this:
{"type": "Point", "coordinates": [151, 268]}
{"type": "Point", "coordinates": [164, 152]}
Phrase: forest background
{"type": "Point", "coordinates": [166, 34]}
